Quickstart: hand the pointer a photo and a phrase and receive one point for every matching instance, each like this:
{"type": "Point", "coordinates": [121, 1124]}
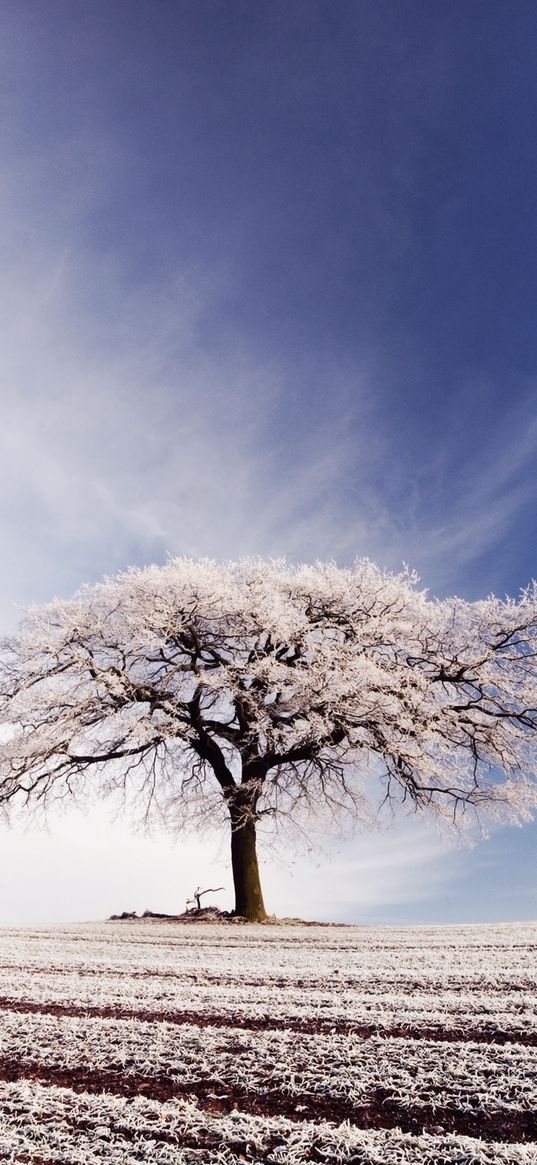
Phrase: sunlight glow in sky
{"type": "Point", "coordinates": [268, 286]}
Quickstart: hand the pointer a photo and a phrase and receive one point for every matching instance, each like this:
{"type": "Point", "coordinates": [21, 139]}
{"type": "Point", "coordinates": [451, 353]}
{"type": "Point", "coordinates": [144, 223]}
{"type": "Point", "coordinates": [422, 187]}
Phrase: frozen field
{"type": "Point", "coordinates": [171, 1044]}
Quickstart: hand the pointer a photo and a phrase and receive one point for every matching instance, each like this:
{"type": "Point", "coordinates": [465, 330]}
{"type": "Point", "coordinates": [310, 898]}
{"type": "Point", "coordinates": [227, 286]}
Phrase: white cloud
{"type": "Point", "coordinates": [126, 436]}
{"type": "Point", "coordinates": [87, 867]}
{"type": "Point", "coordinates": [388, 873]}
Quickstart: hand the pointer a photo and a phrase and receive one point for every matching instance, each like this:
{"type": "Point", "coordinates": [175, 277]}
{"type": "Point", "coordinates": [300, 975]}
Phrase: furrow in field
{"type": "Point", "coordinates": [67, 1128]}
{"type": "Point", "coordinates": [328, 1074]}
{"type": "Point", "coordinates": [188, 975]}
{"type": "Point", "coordinates": [308, 1026]}
{"type": "Point", "coordinates": [327, 1004]}
{"type": "Point", "coordinates": [382, 1112]}
{"type": "Point", "coordinates": [25, 1159]}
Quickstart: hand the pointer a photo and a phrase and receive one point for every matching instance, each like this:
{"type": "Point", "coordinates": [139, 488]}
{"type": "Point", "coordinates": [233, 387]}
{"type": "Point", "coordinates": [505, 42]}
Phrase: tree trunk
{"type": "Point", "coordinates": [248, 894]}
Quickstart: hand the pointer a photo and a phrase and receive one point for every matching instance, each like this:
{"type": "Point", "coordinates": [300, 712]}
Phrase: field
{"type": "Point", "coordinates": [173, 1044]}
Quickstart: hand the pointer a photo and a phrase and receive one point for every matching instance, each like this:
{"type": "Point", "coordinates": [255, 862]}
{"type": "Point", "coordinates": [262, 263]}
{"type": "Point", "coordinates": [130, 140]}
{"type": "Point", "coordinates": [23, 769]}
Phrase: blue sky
{"type": "Point", "coordinates": [268, 286]}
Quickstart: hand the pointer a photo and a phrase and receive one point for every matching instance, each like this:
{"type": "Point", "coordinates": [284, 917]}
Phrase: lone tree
{"type": "Point", "coordinates": [258, 688]}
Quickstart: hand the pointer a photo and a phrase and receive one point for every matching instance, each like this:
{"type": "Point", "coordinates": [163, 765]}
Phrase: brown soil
{"type": "Point", "coordinates": [202, 1019]}
{"type": "Point", "coordinates": [381, 1111]}
{"type": "Point", "coordinates": [24, 1158]}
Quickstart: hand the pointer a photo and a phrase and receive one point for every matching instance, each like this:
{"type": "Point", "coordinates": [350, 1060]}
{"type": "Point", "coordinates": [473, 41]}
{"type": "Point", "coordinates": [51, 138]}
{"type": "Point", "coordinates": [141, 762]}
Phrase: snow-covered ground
{"type": "Point", "coordinates": [159, 1042]}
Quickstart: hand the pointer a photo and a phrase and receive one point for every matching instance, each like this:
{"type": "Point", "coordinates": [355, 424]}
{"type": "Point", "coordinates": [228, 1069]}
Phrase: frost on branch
{"type": "Point", "coordinates": [259, 688]}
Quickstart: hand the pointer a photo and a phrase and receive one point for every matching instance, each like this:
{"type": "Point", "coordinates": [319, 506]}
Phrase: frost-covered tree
{"type": "Point", "coordinates": [252, 688]}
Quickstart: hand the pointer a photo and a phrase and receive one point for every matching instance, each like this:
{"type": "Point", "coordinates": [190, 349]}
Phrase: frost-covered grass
{"type": "Point", "coordinates": [457, 978]}
{"type": "Point", "coordinates": [75, 1129]}
{"type": "Point", "coordinates": [413, 1072]}
{"type": "Point", "coordinates": [221, 984]}
{"type": "Point", "coordinates": [456, 1009]}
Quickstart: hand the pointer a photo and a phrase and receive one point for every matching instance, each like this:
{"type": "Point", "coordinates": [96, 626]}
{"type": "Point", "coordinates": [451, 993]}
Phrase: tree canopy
{"type": "Point", "coordinates": [257, 688]}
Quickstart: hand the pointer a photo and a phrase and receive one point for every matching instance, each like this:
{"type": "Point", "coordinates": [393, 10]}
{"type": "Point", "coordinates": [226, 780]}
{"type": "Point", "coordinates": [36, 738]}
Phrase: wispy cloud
{"type": "Point", "coordinates": [368, 876]}
{"type": "Point", "coordinates": [127, 438]}
{"type": "Point", "coordinates": [140, 440]}
{"type": "Point", "coordinates": [460, 527]}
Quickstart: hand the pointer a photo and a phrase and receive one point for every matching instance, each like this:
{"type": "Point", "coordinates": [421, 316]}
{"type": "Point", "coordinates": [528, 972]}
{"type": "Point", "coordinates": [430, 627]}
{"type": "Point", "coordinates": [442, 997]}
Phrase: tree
{"type": "Point", "coordinates": [255, 688]}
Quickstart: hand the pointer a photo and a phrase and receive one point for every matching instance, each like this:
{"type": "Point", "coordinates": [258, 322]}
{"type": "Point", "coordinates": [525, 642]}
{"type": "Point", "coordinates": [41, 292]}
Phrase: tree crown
{"type": "Point", "coordinates": [296, 683]}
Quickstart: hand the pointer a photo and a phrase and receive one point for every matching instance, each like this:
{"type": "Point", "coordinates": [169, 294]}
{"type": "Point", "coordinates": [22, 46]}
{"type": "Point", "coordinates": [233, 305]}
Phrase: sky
{"type": "Point", "coordinates": [268, 286]}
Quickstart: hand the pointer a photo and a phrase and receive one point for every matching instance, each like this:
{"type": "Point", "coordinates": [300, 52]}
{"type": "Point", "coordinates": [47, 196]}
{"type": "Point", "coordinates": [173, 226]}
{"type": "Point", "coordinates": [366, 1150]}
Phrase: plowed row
{"type": "Point", "coordinates": [483, 1035]}
{"type": "Point", "coordinates": [382, 1112]}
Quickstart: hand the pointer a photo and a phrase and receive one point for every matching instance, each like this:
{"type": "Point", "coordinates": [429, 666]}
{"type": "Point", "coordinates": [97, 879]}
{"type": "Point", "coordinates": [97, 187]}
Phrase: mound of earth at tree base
{"type": "Point", "coordinates": [213, 914]}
